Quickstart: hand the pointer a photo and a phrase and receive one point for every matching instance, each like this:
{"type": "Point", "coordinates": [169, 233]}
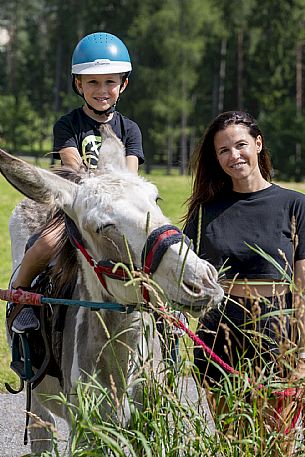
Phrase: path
{"type": "Point", "coordinates": [12, 421]}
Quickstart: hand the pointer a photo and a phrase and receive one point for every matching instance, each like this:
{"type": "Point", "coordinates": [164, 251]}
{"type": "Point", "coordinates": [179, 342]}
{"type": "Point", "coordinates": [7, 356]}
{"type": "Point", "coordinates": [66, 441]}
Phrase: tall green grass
{"type": "Point", "coordinates": [171, 426]}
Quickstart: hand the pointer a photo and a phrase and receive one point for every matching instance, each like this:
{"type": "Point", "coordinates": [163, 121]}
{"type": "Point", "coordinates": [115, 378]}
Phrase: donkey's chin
{"type": "Point", "coordinates": [198, 302]}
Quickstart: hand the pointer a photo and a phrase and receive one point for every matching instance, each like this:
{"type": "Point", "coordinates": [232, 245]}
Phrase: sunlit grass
{"type": "Point", "coordinates": [172, 425]}
{"type": "Point", "coordinates": [9, 198]}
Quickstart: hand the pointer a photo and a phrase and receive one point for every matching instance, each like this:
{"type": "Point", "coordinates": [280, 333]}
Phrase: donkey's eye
{"type": "Point", "coordinates": [103, 227]}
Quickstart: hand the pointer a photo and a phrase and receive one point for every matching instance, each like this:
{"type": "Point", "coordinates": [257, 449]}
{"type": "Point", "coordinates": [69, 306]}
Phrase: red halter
{"type": "Point", "coordinates": [154, 249]}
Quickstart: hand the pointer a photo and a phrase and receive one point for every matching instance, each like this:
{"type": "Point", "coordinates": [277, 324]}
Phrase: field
{"type": "Point", "coordinates": [172, 189]}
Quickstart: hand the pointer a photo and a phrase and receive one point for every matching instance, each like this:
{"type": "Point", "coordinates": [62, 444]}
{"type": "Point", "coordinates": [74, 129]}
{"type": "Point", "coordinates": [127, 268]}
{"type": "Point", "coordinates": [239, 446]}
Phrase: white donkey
{"type": "Point", "coordinates": [108, 207]}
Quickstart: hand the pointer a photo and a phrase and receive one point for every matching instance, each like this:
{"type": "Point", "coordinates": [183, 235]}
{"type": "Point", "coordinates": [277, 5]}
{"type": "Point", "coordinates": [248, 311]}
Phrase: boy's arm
{"type": "Point", "coordinates": [70, 158]}
{"type": "Point", "coordinates": [132, 163]}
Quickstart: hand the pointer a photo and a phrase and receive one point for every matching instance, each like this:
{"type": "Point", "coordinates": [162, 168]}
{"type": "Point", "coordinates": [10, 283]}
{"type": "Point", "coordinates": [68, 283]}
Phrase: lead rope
{"type": "Point", "coordinates": [27, 413]}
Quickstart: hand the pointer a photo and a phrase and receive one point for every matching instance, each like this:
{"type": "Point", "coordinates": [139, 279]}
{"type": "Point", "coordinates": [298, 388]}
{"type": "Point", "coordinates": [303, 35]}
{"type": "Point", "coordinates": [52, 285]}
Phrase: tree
{"type": "Point", "coordinates": [168, 70]}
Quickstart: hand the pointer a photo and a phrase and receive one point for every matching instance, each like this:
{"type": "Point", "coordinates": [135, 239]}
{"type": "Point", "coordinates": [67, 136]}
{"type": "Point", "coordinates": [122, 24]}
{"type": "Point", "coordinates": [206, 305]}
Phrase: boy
{"type": "Point", "coordinates": [100, 69]}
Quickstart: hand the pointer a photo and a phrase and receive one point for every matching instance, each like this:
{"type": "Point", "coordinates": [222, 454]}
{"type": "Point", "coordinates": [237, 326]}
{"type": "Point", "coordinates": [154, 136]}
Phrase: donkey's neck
{"type": "Point", "coordinates": [105, 342]}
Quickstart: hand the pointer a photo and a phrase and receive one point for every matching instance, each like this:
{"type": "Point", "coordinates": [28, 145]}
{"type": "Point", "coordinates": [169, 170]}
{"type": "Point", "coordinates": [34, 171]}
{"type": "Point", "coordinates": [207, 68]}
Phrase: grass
{"type": "Point", "coordinates": [171, 427]}
{"type": "Point", "coordinates": [9, 198]}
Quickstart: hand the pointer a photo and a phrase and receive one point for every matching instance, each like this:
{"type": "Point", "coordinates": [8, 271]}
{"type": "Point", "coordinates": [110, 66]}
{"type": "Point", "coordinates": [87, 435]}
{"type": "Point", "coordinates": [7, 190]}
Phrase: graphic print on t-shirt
{"type": "Point", "coordinates": [90, 150]}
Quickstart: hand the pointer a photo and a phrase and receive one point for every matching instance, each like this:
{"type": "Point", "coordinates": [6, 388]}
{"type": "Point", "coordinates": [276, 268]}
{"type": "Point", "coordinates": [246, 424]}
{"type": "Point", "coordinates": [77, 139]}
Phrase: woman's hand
{"type": "Point", "coordinates": [299, 371]}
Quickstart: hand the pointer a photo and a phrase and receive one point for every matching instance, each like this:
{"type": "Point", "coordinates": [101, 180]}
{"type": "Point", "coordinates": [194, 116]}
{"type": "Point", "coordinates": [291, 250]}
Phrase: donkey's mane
{"type": "Point", "coordinates": [64, 272]}
{"type": "Point", "coordinates": [113, 183]}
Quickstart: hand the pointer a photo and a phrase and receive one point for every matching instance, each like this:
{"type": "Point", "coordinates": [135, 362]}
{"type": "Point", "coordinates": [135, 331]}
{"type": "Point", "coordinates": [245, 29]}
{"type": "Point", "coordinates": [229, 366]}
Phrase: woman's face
{"type": "Point", "coordinates": [237, 153]}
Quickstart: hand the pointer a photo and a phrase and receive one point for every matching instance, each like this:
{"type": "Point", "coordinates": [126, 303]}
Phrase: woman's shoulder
{"type": "Point", "coordinates": [288, 194]}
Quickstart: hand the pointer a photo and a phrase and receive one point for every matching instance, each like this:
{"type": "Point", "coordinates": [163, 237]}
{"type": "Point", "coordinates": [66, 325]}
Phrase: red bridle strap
{"type": "Point", "coordinates": [157, 244]}
{"type": "Point", "coordinates": [150, 255]}
{"type": "Point", "coordinates": [91, 262]}
{"type": "Point", "coordinates": [103, 268]}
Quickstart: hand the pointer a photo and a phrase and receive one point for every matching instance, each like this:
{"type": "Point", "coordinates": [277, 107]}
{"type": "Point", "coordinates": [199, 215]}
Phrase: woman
{"type": "Point", "coordinates": [235, 211]}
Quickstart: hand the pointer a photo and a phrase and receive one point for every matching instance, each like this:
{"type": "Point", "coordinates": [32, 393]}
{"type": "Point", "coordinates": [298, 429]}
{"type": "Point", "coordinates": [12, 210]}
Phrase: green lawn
{"type": "Point", "coordinates": [172, 189]}
{"type": "Point", "coordinates": [9, 198]}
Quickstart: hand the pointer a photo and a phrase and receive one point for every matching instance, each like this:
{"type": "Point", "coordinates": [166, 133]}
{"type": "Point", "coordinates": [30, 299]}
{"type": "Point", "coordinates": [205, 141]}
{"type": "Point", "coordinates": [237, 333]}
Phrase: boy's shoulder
{"type": "Point", "coordinates": [124, 119]}
{"type": "Point", "coordinates": [75, 120]}
{"type": "Point", "coordinates": [71, 115]}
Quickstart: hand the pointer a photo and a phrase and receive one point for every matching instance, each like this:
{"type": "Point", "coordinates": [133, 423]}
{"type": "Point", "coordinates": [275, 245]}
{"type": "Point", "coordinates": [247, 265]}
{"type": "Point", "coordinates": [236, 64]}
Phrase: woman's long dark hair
{"type": "Point", "coordinates": [209, 179]}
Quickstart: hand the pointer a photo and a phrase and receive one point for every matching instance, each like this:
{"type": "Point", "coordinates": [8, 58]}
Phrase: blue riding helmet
{"type": "Point", "coordinates": [100, 53]}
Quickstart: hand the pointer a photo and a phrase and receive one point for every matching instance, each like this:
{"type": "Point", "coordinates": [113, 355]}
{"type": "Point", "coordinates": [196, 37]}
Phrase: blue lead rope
{"type": "Point", "coordinates": [93, 305]}
{"type": "Point", "coordinates": [31, 298]}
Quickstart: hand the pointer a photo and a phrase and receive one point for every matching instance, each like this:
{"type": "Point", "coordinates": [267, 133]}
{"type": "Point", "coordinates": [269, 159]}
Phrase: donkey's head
{"type": "Point", "coordinates": [115, 211]}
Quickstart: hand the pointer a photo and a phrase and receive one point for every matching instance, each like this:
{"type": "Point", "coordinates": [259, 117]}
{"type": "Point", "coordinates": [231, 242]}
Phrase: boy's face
{"type": "Point", "coordinates": [100, 91]}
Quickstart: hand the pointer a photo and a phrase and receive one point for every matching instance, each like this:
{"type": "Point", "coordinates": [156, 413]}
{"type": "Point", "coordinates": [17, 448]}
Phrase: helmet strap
{"type": "Point", "coordinates": [106, 112]}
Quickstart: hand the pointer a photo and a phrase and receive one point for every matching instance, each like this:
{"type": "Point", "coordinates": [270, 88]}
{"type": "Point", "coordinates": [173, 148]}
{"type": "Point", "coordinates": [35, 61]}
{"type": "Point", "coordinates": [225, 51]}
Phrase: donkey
{"type": "Point", "coordinates": [117, 217]}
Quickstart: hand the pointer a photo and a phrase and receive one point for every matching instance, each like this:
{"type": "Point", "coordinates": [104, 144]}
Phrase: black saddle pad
{"type": "Point", "coordinates": [48, 339]}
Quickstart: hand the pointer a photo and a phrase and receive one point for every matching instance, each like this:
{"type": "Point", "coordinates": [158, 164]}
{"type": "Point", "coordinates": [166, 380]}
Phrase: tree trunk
{"type": "Point", "coordinates": [183, 143]}
{"type": "Point", "coordinates": [183, 118]}
{"type": "Point", "coordinates": [169, 151]}
{"type": "Point", "coordinates": [58, 70]}
{"type": "Point", "coordinates": [299, 102]}
{"type": "Point", "coordinates": [222, 74]}
{"type": "Point", "coordinates": [240, 69]}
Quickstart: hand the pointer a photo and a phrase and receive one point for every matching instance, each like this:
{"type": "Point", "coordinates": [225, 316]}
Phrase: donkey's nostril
{"type": "Point", "coordinates": [194, 288]}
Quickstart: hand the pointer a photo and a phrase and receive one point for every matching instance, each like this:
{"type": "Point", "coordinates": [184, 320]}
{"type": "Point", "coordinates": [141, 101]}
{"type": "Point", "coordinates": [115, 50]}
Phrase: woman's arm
{"type": "Point", "coordinates": [299, 299]}
{"type": "Point", "coordinates": [299, 305]}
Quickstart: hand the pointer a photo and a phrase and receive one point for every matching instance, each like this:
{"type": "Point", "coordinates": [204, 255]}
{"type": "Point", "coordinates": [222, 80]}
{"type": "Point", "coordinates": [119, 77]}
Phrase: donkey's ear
{"type": "Point", "coordinates": [112, 150]}
{"type": "Point", "coordinates": [35, 183]}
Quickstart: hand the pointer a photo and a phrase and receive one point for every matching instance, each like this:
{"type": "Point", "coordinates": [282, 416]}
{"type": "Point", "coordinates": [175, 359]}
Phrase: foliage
{"type": "Point", "coordinates": [22, 130]}
{"type": "Point", "coordinates": [191, 59]}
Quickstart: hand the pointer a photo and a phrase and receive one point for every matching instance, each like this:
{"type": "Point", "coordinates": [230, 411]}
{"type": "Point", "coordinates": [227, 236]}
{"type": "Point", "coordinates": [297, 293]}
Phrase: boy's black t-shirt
{"type": "Point", "coordinates": [77, 129]}
{"type": "Point", "coordinates": [235, 222]}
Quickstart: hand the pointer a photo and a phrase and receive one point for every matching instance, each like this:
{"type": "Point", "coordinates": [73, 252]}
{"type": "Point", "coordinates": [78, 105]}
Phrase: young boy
{"type": "Point", "coordinates": [100, 69]}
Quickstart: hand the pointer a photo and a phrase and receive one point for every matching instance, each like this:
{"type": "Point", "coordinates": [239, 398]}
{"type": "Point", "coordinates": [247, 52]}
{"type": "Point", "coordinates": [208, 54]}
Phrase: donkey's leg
{"type": "Point", "coordinates": [43, 407]}
{"type": "Point", "coordinates": [41, 423]}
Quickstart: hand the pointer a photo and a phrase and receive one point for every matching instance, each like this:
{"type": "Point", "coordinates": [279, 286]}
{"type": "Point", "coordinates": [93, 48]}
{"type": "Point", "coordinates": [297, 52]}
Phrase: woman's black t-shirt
{"type": "Point", "coordinates": [268, 219]}
{"type": "Point", "coordinates": [78, 130]}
